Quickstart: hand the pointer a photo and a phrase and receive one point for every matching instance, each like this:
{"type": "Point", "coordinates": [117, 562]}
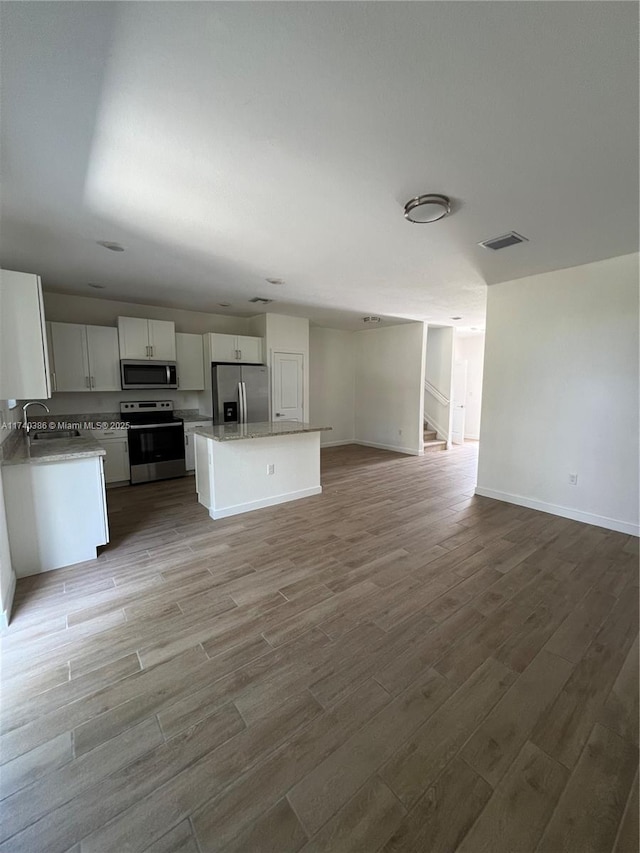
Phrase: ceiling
{"type": "Point", "coordinates": [226, 143]}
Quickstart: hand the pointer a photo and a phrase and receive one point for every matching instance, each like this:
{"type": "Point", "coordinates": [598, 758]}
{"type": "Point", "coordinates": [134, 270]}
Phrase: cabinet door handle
{"type": "Point", "coordinates": [151, 353]}
{"type": "Point", "coordinates": [240, 356]}
{"type": "Point", "coordinates": [53, 379]}
{"type": "Point", "coordinates": [186, 439]}
{"type": "Point", "coordinates": [86, 382]}
{"type": "Point", "coordinates": [92, 381]}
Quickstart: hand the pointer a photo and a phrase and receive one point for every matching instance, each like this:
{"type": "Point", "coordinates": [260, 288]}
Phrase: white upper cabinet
{"type": "Point", "coordinates": [242, 349]}
{"type": "Point", "coordinates": [70, 368]}
{"type": "Point", "coordinates": [249, 349]}
{"type": "Point", "coordinates": [85, 358]}
{"type": "Point", "coordinates": [24, 358]}
{"type": "Point", "coordinates": [104, 361]}
{"type": "Point", "coordinates": [190, 362]}
{"type": "Point", "coordinates": [146, 340]}
{"type": "Point", "coordinates": [223, 347]}
{"type": "Point", "coordinates": [162, 340]}
{"type": "Point", "coordinates": [133, 334]}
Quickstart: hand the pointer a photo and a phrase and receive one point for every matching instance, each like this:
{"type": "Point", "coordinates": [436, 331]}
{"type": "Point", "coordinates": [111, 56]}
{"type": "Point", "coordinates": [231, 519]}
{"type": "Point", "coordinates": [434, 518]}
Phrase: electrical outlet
{"type": "Point", "coordinates": [573, 479]}
{"type": "Point", "coordinates": [271, 469]}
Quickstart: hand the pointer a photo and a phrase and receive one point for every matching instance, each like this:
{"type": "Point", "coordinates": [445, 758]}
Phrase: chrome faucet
{"type": "Point", "coordinates": [25, 414]}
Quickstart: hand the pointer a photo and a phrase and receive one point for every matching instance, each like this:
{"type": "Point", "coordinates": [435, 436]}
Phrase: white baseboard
{"type": "Point", "coordinates": [563, 511]}
{"type": "Point", "coordinates": [264, 502]}
{"type": "Point", "coordinates": [5, 617]}
{"type": "Point", "coordinates": [337, 443]}
{"type": "Point", "coordinates": [472, 436]}
{"type": "Point", "coordinates": [410, 451]}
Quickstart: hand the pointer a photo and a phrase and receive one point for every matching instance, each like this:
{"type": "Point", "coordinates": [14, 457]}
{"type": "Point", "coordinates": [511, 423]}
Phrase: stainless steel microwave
{"type": "Point", "coordinates": [136, 375]}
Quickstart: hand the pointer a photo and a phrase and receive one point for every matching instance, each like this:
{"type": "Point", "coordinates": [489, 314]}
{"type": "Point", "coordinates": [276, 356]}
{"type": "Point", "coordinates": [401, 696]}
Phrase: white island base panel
{"type": "Point", "coordinates": [233, 477]}
{"type": "Point", "coordinates": [56, 513]}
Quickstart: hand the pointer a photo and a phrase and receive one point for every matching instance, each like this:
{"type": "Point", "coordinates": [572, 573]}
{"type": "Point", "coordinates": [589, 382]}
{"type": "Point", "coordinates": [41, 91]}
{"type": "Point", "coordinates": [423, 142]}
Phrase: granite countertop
{"type": "Point", "coordinates": [236, 432]}
{"type": "Point", "coordinates": [25, 452]}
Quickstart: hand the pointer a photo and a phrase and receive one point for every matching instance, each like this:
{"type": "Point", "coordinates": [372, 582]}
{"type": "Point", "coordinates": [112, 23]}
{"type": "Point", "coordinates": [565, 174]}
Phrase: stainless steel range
{"type": "Point", "coordinates": [156, 441]}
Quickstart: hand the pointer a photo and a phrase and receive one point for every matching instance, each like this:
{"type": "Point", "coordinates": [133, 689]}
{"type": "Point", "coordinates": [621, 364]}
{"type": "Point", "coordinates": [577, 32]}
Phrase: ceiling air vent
{"type": "Point", "coordinates": [261, 300]}
{"type": "Point", "coordinates": [510, 239]}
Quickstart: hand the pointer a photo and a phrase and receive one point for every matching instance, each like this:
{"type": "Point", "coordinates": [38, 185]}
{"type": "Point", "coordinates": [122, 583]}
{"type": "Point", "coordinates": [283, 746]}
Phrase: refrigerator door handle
{"type": "Point", "coordinates": [244, 403]}
{"type": "Point", "coordinates": [240, 404]}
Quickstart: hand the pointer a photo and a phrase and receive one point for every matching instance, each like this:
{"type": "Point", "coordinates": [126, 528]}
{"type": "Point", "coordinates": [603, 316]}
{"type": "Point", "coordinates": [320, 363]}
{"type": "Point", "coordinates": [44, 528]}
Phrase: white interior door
{"type": "Point", "coordinates": [288, 386]}
{"type": "Point", "coordinates": [458, 401]}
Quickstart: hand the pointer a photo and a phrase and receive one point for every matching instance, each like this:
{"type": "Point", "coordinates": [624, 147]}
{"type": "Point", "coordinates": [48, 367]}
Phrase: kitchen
{"type": "Point", "coordinates": [137, 390]}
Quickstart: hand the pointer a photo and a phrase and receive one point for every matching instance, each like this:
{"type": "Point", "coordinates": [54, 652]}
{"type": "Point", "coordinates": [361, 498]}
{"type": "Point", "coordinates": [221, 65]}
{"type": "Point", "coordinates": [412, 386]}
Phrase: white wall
{"type": "Point", "coordinates": [439, 372]}
{"type": "Point", "coordinates": [560, 393]}
{"type": "Point", "coordinates": [62, 308]}
{"type": "Point", "coordinates": [471, 350]}
{"type": "Point", "coordinates": [389, 387]}
{"type": "Point", "coordinates": [287, 334]}
{"type": "Point", "coordinates": [332, 383]}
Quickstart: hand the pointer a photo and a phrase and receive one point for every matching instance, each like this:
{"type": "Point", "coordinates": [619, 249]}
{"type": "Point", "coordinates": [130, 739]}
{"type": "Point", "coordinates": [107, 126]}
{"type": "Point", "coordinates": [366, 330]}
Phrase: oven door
{"type": "Point", "coordinates": [135, 375]}
{"type": "Point", "coordinates": [156, 451]}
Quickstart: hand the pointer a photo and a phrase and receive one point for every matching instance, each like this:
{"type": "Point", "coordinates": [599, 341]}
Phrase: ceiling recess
{"type": "Point", "coordinates": [505, 240]}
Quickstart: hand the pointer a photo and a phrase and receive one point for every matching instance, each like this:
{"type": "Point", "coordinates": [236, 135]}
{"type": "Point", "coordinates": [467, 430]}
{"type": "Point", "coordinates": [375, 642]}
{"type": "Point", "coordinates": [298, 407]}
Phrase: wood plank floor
{"type": "Point", "coordinates": [394, 665]}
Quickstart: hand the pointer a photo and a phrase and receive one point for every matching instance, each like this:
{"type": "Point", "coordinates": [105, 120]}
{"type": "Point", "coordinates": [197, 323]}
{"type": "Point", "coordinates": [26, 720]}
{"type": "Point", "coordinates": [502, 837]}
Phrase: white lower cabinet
{"type": "Point", "coordinates": [190, 446]}
{"type": "Point", "coordinates": [116, 462]}
{"type": "Point", "coordinates": [56, 513]}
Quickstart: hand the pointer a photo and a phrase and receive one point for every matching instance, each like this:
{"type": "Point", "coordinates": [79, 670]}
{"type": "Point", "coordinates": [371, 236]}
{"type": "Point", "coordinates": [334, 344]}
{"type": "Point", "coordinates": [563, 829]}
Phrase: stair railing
{"type": "Point", "coordinates": [441, 431]}
{"type": "Point", "coordinates": [435, 393]}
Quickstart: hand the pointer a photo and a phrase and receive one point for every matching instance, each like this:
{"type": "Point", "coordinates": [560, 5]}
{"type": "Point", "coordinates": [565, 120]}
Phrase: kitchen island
{"type": "Point", "coordinates": [242, 467]}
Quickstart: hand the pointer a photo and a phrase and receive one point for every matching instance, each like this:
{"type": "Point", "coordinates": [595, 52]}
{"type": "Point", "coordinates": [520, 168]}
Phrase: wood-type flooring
{"type": "Point", "coordinates": [394, 665]}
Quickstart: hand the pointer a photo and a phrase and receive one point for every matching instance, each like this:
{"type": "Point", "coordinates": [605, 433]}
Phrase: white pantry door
{"type": "Point", "coordinates": [288, 390]}
{"type": "Point", "coordinates": [458, 401]}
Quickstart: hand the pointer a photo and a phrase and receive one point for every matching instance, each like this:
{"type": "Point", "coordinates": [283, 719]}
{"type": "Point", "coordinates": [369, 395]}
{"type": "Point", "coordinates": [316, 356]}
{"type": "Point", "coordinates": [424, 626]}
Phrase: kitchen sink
{"type": "Point", "coordinates": [55, 433]}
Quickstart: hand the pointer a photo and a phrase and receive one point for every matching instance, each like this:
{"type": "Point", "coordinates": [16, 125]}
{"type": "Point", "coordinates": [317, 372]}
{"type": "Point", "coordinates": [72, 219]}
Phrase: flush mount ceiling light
{"type": "Point", "coordinates": [456, 318]}
{"type": "Point", "coordinates": [224, 304]}
{"type": "Point", "coordinates": [96, 286]}
{"type": "Point", "coordinates": [427, 208]}
{"type": "Point", "coordinates": [113, 247]}
{"type": "Point", "coordinates": [275, 280]}
{"type": "Point", "coordinates": [261, 300]}
{"type": "Point", "coordinates": [371, 319]}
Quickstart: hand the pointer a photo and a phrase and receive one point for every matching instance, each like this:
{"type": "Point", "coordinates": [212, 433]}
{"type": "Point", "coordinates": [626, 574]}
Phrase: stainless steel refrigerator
{"type": "Point", "coordinates": [240, 393]}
